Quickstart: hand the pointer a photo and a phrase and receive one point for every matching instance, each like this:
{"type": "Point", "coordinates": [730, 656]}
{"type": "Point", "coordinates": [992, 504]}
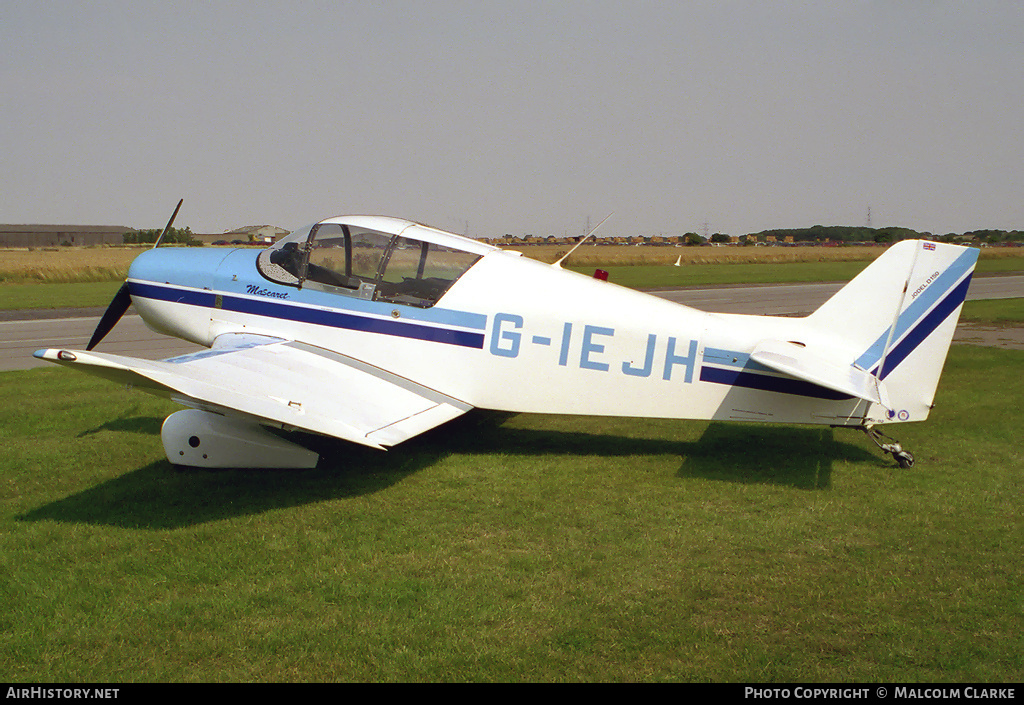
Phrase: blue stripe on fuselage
{"type": "Point", "coordinates": [745, 373]}
{"type": "Point", "coordinates": [768, 383]}
{"type": "Point", "coordinates": [303, 314]}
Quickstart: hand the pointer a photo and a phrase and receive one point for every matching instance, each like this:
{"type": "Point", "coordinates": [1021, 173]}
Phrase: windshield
{"type": "Point", "coordinates": [280, 263]}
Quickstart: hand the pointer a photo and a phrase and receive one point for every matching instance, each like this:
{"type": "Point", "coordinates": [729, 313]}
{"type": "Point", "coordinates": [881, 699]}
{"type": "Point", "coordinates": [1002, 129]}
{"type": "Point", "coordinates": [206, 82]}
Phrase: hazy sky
{"type": "Point", "coordinates": [515, 117]}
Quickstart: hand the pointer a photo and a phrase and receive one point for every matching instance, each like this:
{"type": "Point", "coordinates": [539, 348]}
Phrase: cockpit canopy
{"type": "Point", "coordinates": [375, 258]}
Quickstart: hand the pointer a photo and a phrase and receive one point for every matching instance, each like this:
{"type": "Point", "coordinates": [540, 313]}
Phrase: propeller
{"type": "Point", "coordinates": [122, 299]}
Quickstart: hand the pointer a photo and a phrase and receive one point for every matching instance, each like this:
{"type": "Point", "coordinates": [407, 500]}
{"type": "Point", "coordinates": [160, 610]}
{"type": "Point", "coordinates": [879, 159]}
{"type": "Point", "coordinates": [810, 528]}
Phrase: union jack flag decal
{"type": "Point", "coordinates": [929, 245]}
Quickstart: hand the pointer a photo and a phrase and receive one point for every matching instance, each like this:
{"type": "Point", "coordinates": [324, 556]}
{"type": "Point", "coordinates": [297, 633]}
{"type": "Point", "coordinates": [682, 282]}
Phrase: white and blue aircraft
{"type": "Point", "coordinates": [374, 329]}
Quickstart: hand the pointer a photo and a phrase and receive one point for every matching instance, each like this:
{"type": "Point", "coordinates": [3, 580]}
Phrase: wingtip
{"type": "Point", "coordinates": [55, 355]}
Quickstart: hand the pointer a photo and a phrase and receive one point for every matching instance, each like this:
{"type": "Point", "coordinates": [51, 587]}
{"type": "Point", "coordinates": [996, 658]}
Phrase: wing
{"type": "Point", "coordinates": [287, 383]}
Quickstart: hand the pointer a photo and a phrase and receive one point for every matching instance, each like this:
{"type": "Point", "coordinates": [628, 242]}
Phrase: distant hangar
{"type": "Point", "coordinates": [62, 235]}
{"type": "Point", "coordinates": [94, 235]}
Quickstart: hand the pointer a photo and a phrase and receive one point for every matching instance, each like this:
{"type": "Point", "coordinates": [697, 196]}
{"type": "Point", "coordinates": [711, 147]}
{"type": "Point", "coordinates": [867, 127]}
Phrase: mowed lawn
{"type": "Point", "coordinates": [517, 548]}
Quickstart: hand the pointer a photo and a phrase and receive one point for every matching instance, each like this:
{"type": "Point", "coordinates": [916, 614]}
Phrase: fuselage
{"type": "Point", "coordinates": [510, 333]}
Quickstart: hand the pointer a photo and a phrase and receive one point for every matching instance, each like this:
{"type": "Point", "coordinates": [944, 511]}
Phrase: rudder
{"type": "Point", "coordinates": [899, 315]}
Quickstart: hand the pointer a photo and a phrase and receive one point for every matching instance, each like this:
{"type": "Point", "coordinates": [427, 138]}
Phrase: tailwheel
{"type": "Point", "coordinates": [903, 458]}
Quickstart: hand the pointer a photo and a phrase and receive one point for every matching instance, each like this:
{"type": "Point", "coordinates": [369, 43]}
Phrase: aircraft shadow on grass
{"type": "Point", "coordinates": [148, 425]}
{"type": "Point", "coordinates": [156, 497]}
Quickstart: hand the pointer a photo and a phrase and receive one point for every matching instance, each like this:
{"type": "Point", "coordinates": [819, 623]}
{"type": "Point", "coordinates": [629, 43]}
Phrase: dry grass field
{"type": "Point", "coordinates": [627, 255]}
{"type": "Point", "coordinates": [95, 264]}
{"type": "Point", "coordinates": [89, 264]}
{"type": "Point", "coordinates": [66, 264]}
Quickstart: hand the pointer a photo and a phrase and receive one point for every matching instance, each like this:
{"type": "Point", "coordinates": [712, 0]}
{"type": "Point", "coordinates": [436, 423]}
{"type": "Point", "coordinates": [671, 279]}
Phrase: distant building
{"type": "Point", "coordinates": [254, 233]}
{"type": "Point", "coordinates": [62, 235]}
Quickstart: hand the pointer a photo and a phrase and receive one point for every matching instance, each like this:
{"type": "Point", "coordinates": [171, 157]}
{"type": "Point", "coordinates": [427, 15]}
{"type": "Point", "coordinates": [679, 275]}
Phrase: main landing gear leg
{"type": "Point", "coordinates": [902, 457]}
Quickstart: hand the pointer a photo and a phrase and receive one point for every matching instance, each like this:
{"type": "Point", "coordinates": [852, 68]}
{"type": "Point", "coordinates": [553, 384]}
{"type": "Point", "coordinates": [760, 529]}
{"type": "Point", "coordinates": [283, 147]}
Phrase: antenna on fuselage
{"type": "Point", "coordinates": [583, 239]}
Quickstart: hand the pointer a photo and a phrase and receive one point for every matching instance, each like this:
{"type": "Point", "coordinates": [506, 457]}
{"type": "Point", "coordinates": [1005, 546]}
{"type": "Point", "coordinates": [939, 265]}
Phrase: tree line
{"type": "Point", "coordinates": [179, 236]}
{"type": "Point", "coordinates": [843, 233]}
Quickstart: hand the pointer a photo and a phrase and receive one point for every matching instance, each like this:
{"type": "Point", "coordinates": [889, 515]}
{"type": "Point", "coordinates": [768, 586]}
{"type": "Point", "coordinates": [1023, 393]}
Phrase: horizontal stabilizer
{"type": "Point", "coordinates": [795, 360]}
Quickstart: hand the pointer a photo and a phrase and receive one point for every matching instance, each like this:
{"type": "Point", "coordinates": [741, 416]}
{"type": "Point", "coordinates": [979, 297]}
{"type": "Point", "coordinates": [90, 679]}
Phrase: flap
{"type": "Point", "coordinates": [285, 382]}
{"type": "Point", "coordinates": [797, 361]}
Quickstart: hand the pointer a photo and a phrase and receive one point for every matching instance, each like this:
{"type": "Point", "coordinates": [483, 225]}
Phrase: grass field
{"type": "Point", "coordinates": [17, 297]}
{"type": "Point", "coordinates": [999, 312]}
{"type": "Point", "coordinates": [533, 548]}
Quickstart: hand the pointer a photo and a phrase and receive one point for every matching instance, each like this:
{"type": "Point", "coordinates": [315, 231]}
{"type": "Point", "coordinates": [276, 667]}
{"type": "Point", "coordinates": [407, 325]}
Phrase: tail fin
{"type": "Point", "coordinates": [899, 316]}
